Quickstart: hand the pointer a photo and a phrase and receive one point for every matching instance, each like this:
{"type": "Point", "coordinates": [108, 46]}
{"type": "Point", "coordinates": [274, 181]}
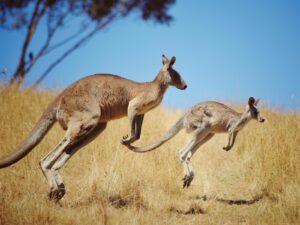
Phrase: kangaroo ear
{"type": "Point", "coordinates": [256, 101]}
{"type": "Point", "coordinates": [251, 101]}
{"type": "Point", "coordinates": [164, 59]}
{"type": "Point", "coordinates": [172, 61]}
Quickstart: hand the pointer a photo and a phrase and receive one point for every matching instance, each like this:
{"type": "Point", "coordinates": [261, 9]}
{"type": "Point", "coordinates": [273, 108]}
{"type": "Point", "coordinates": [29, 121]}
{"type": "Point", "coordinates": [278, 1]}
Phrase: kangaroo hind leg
{"type": "Point", "coordinates": [61, 161]}
{"type": "Point", "coordinates": [77, 135]}
{"type": "Point", "coordinates": [200, 136]}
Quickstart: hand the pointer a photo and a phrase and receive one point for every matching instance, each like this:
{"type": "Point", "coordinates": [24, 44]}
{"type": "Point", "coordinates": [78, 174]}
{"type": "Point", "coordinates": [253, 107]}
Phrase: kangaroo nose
{"type": "Point", "coordinates": [262, 120]}
{"type": "Point", "coordinates": [184, 87]}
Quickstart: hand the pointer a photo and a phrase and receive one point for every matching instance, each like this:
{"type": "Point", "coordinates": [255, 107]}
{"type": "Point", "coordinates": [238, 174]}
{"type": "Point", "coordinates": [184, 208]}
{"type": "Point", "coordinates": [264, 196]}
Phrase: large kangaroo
{"type": "Point", "coordinates": [83, 110]}
{"type": "Point", "coordinates": [203, 121]}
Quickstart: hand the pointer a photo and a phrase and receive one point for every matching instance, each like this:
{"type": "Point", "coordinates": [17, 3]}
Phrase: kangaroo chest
{"type": "Point", "coordinates": [148, 105]}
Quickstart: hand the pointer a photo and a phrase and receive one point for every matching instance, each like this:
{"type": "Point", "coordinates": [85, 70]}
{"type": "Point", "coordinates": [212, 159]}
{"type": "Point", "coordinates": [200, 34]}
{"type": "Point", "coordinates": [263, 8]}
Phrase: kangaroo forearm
{"type": "Point", "coordinates": [227, 147]}
{"type": "Point", "coordinates": [138, 126]}
{"type": "Point", "coordinates": [233, 138]}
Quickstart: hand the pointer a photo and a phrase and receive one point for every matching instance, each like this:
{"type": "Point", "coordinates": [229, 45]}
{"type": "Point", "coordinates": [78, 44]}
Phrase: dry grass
{"type": "Point", "coordinates": [255, 183]}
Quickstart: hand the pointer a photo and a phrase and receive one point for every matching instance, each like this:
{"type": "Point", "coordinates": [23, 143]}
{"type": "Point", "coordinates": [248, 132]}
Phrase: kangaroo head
{"type": "Point", "coordinates": [252, 111]}
{"type": "Point", "coordinates": [171, 76]}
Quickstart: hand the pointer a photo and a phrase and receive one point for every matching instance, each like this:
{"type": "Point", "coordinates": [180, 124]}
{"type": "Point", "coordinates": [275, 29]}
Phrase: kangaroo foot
{"type": "Point", "coordinates": [187, 180]}
{"type": "Point", "coordinates": [57, 194]}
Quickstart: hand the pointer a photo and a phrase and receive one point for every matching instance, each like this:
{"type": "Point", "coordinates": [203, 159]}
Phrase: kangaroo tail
{"type": "Point", "coordinates": [35, 136]}
{"type": "Point", "coordinates": [170, 133]}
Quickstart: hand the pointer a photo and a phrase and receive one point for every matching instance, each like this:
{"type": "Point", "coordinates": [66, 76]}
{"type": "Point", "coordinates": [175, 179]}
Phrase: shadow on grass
{"type": "Point", "coordinates": [233, 201]}
{"type": "Point", "coordinates": [241, 201]}
{"type": "Point", "coordinates": [117, 201]}
{"type": "Point", "coordinates": [193, 210]}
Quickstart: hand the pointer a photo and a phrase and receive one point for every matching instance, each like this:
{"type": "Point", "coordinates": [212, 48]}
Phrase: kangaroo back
{"type": "Point", "coordinates": [35, 136]}
{"type": "Point", "coordinates": [170, 133]}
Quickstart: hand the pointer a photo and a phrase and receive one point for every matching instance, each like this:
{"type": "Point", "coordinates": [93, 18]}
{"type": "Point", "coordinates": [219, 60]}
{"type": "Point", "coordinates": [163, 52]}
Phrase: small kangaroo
{"type": "Point", "coordinates": [83, 110]}
{"type": "Point", "coordinates": [203, 121]}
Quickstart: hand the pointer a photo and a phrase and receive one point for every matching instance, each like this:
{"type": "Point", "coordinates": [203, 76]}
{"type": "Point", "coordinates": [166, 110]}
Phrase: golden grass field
{"type": "Point", "coordinates": [257, 182]}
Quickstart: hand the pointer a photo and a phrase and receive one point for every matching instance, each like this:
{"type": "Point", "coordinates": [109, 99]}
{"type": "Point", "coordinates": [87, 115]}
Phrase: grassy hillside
{"type": "Point", "coordinates": [257, 182]}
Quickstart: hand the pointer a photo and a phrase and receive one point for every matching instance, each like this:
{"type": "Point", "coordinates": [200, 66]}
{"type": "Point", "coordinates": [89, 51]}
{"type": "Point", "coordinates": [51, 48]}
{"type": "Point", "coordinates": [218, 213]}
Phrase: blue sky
{"type": "Point", "coordinates": [226, 51]}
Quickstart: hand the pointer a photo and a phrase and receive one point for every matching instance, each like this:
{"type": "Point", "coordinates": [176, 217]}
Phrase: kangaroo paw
{"type": "Point", "coordinates": [126, 140]}
{"type": "Point", "coordinates": [226, 148]}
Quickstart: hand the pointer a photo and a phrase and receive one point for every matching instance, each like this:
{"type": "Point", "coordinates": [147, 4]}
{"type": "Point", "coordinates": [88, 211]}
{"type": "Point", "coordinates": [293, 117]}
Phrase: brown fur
{"type": "Point", "coordinates": [84, 108]}
{"type": "Point", "coordinates": [203, 121]}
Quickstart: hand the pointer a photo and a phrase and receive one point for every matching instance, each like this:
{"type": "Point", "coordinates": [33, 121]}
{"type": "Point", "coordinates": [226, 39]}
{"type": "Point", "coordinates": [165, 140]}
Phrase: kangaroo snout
{"type": "Point", "coordinates": [184, 87]}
